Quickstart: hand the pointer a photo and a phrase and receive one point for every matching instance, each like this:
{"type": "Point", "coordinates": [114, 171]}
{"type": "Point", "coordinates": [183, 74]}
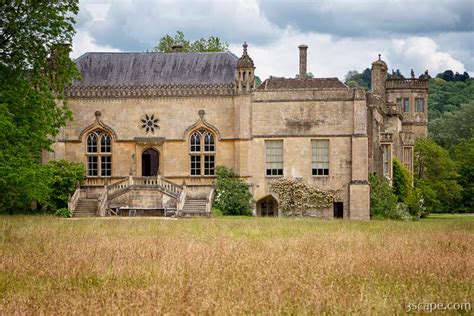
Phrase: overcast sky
{"type": "Point", "coordinates": [341, 35]}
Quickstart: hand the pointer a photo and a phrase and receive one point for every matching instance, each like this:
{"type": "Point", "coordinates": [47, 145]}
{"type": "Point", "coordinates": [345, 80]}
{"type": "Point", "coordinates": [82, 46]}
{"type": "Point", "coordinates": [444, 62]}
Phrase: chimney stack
{"type": "Point", "coordinates": [303, 61]}
{"type": "Point", "coordinates": [177, 48]}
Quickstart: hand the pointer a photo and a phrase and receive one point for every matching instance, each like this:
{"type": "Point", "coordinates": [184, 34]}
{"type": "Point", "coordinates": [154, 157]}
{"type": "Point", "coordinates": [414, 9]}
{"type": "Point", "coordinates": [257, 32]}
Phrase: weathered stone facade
{"type": "Point", "coordinates": [176, 116]}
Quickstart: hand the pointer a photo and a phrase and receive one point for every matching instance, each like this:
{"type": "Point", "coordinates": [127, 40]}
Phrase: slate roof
{"type": "Point", "coordinates": [291, 83]}
{"type": "Point", "coordinates": [147, 69]}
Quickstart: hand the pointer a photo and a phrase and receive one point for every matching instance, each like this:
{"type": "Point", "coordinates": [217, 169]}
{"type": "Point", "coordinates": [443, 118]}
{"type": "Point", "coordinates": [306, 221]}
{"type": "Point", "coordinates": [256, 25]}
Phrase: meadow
{"type": "Point", "coordinates": [50, 265]}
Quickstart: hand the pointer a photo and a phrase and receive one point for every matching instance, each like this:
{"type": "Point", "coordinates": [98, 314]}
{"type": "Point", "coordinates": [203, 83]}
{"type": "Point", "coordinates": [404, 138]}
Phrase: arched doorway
{"type": "Point", "coordinates": [267, 206]}
{"type": "Point", "coordinates": [150, 162]}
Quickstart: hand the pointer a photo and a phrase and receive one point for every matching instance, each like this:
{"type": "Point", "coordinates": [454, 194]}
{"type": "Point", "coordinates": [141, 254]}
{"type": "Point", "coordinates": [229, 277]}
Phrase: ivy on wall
{"type": "Point", "coordinates": [297, 197]}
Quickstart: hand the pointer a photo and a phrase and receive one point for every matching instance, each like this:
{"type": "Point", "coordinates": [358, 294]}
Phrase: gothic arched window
{"type": "Point", "coordinates": [99, 154]}
{"type": "Point", "coordinates": [202, 150]}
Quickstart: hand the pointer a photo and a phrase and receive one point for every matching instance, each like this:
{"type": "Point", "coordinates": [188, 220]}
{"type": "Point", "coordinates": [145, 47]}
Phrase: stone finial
{"type": "Point", "coordinates": [412, 73]}
{"type": "Point", "coordinates": [97, 114]}
{"type": "Point", "coordinates": [201, 114]}
{"type": "Point", "coordinates": [380, 55]}
{"type": "Point", "coordinates": [245, 61]}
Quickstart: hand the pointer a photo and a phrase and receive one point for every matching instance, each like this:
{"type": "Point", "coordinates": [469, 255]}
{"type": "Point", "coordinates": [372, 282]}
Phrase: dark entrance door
{"type": "Point", "coordinates": [338, 210]}
{"type": "Point", "coordinates": [268, 207]}
{"type": "Point", "coordinates": [150, 163]}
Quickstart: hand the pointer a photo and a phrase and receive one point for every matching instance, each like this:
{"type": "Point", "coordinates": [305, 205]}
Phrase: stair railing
{"type": "Point", "coordinates": [181, 200]}
{"type": "Point", "coordinates": [209, 199]}
{"type": "Point", "coordinates": [102, 203]}
{"type": "Point", "coordinates": [74, 199]}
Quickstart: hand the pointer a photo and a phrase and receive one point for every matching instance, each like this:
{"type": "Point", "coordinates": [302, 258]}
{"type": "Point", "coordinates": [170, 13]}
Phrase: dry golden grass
{"type": "Point", "coordinates": [231, 266]}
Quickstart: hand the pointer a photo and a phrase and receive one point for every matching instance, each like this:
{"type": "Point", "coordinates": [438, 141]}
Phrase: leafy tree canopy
{"type": "Point", "coordinates": [34, 70]}
{"type": "Point", "coordinates": [445, 96]}
{"type": "Point", "coordinates": [354, 79]}
{"type": "Point", "coordinates": [211, 44]}
{"type": "Point", "coordinates": [449, 75]}
{"type": "Point", "coordinates": [436, 176]}
{"type": "Point", "coordinates": [452, 127]}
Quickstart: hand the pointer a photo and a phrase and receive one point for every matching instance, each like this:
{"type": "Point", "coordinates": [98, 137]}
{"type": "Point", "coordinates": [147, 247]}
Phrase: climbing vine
{"type": "Point", "coordinates": [297, 197]}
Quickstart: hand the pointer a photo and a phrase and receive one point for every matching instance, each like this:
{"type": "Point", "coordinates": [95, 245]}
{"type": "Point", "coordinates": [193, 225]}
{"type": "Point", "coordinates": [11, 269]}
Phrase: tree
{"type": "Point", "coordinates": [436, 176]}
{"type": "Point", "coordinates": [383, 202]}
{"type": "Point", "coordinates": [447, 75]}
{"type": "Point", "coordinates": [452, 127]}
{"type": "Point", "coordinates": [447, 96]}
{"type": "Point", "coordinates": [402, 181]}
{"type": "Point", "coordinates": [211, 44]}
{"type": "Point", "coordinates": [354, 79]}
{"type": "Point", "coordinates": [232, 194]}
{"type": "Point", "coordinates": [463, 155]}
{"type": "Point", "coordinates": [35, 68]}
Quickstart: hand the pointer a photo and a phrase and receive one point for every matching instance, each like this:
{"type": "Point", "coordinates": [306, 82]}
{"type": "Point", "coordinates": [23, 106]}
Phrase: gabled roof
{"type": "Point", "coordinates": [147, 69]}
{"type": "Point", "coordinates": [310, 83]}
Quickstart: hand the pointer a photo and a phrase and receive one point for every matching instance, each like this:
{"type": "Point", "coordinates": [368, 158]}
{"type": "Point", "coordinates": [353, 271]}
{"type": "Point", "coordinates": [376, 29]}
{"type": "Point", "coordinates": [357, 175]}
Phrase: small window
{"type": "Point", "coordinates": [92, 143]}
{"type": "Point", "coordinates": [408, 157]}
{"type": "Point", "coordinates": [399, 102]}
{"type": "Point", "coordinates": [320, 157]}
{"type": "Point", "coordinates": [386, 160]}
{"type": "Point", "coordinates": [195, 165]}
{"type": "Point", "coordinates": [208, 165]}
{"type": "Point", "coordinates": [406, 104]}
{"type": "Point", "coordinates": [92, 166]}
{"type": "Point", "coordinates": [274, 157]}
{"type": "Point", "coordinates": [419, 105]}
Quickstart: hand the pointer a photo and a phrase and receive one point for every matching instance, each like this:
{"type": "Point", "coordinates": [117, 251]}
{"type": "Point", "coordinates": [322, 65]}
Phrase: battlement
{"type": "Point", "coordinates": [406, 84]}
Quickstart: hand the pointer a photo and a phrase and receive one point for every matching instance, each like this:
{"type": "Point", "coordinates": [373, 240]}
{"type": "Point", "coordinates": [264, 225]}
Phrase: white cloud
{"type": "Point", "coordinates": [424, 52]}
{"type": "Point", "coordinates": [84, 43]}
{"type": "Point", "coordinates": [330, 56]}
{"type": "Point", "coordinates": [275, 29]}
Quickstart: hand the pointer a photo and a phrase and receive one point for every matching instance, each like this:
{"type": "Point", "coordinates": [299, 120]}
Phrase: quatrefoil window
{"type": "Point", "coordinates": [150, 123]}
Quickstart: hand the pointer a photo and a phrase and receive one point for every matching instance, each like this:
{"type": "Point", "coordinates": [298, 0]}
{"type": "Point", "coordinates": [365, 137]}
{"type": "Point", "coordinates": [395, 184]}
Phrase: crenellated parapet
{"type": "Point", "coordinates": [406, 84]}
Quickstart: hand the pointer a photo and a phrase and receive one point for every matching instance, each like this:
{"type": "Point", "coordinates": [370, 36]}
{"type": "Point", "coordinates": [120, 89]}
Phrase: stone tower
{"type": "Point", "coordinates": [245, 73]}
{"type": "Point", "coordinates": [379, 75]}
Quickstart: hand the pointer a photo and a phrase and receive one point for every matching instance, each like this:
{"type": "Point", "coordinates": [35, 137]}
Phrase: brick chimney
{"type": "Point", "coordinates": [303, 61]}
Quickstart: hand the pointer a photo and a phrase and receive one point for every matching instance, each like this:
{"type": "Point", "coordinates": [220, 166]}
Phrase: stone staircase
{"type": "Point", "coordinates": [194, 207]}
{"type": "Point", "coordinates": [85, 208]}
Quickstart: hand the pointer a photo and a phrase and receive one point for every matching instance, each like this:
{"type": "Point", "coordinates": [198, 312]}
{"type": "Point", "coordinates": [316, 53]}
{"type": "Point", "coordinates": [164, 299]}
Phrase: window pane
{"type": "Point", "coordinates": [274, 157]}
{"type": "Point", "coordinates": [209, 165]}
{"type": "Point", "coordinates": [208, 142]}
{"type": "Point", "coordinates": [92, 143]}
{"type": "Point", "coordinates": [195, 142]}
{"type": "Point", "coordinates": [92, 166]}
{"type": "Point", "coordinates": [320, 157]}
{"type": "Point", "coordinates": [105, 166]}
{"type": "Point", "coordinates": [406, 105]}
{"type": "Point", "coordinates": [105, 143]}
{"type": "Point", "coordinates": [195, 165]}
{"type": "Point", "coordinates": [419, 105]}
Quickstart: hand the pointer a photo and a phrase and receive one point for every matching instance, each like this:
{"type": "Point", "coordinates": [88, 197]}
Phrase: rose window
{"type": "Point", "coordinates": [150, 123]}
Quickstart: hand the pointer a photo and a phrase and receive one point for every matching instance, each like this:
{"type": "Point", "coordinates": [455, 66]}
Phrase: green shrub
{"type": "Point", "coordinates": [216, 212]}
{"type": "Point", "coordinates": [383, 202]}
{"type": "Point", "coordinates": [402, 181]}
{"type": "Point", "coordinates": [63, 212]}
{"type": "Point", "coordinates": [64, 177]}
{"type": "Point", "coordinates": [232, 194]}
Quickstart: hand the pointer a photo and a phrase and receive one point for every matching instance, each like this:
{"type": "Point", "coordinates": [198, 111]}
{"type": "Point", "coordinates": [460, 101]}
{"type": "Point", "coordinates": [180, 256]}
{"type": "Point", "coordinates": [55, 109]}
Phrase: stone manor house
{"type": "Point", "coordinates": [152, 127]}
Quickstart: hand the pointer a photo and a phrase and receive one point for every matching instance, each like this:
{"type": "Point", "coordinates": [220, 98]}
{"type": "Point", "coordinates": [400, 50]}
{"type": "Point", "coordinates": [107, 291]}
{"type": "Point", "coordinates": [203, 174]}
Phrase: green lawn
{"type": "Point", "coordinates": [228, 266]}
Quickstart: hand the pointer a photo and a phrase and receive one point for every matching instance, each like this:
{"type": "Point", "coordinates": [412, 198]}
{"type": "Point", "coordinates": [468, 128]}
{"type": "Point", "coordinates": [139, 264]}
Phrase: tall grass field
{"type": "Point", "coordinates": [227, 266]}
